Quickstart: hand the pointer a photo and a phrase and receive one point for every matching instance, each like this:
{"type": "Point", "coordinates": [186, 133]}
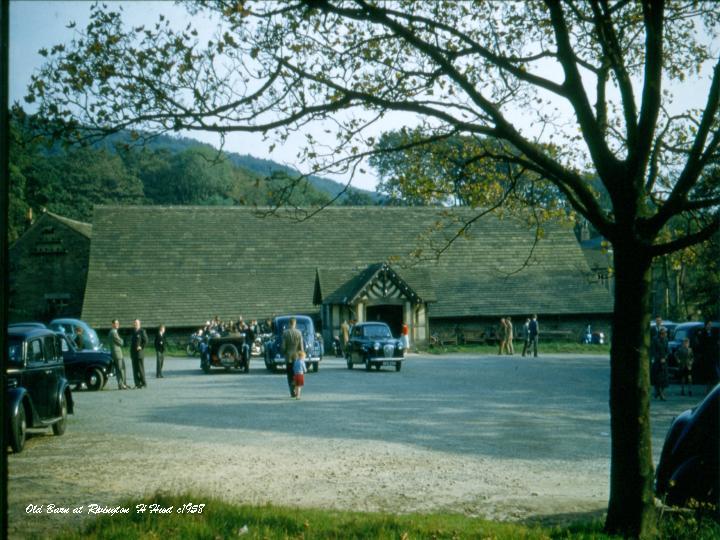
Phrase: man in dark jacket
{"type": "Point", "coordinates": [159, 351]}
{"type": "Point", "coordinates": [707, 354]}
{"type": "Point", "coordinates": [138, 341]}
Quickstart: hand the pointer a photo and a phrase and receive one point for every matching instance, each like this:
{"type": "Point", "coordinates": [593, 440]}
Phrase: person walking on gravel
{"type": "Point", "coordinates": [292, 344]}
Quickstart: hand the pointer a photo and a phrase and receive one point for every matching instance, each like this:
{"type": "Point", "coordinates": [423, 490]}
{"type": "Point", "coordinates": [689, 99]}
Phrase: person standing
{"type": "Point", "coordinates": [138, 342]}
{"type": "Point", "coordinates": [534, 333]}
{"type": "Point", "coordinates": [116, 353]}
{"type": "Point", "coordinates": [159, 351]}
{"type": "Point", "coordinates": [502, 336]}
{"type": "Point", "coordinates": [344, 335]}
{"type": "Point", "coordinates": [509, 338]}
{"type": "Point", "coordinates": [299, 370]}
{"type": "Point", "coordinates": [526, 336]}
{"type": "Point", "coordinates": [707, 351]}
{"type": "Point", "coordinates": [292, 344]}
{"type": "Point", "coordinates": [659, 371]}
{"type": "Point", "coordinates": [684, 355]}
{"type": "Point", "coordinates": [405, 336]}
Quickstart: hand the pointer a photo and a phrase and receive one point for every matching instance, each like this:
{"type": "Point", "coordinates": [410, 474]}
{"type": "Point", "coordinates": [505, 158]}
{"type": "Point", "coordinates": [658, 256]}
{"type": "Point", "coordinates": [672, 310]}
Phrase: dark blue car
{"type": "Point", "coordinates": [312, 342]}
{"type": "Point", "coordinates": [688, 468]}
{"type": "Point", "coordinates": [38, 394]}
{"type": "Point", "coordinates": [88, 367]}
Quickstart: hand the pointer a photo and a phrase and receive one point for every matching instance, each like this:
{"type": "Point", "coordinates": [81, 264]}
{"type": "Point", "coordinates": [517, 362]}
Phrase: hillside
{"type": "Point", "coordinates": [263, 167]}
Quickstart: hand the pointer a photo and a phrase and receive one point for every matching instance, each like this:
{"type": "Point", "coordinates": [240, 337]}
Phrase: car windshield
{"type": "Point", "coordinates": [15, 351]}
{"type": "Point", "coordinates": [376, 331]}
{"type": "Point", "coordinates": [302, 325]}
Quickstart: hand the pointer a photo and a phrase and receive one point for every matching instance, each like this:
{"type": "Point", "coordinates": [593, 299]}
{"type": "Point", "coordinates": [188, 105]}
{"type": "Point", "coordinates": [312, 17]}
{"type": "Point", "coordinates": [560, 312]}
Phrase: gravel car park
{"type": "Point", "coordinates": [501, 437]}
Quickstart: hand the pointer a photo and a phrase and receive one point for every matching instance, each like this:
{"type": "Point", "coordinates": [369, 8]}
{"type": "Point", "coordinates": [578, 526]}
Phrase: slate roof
{"type": "Point", "coordinates": [182, 265]}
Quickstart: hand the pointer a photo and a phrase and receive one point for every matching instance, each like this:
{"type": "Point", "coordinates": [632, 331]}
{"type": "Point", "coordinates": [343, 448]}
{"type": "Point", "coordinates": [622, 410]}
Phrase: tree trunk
{"type": "Point", "coordinates": [631, 510]}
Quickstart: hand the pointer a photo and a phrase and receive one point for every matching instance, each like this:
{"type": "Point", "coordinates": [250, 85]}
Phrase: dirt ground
{"type": "Point", "coordinates": [509, 439]}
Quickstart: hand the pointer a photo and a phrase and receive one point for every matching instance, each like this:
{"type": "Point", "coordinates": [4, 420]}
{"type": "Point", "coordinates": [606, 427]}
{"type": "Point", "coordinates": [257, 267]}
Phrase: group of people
{"type": "Point", "coordinates": [531, 332]}
{"type": "Point", "coordinates": [218, 327]}
{"type": "Point", "coordinates": [138, 342]}
{"type": "Point", "coordinates": [704, 349]}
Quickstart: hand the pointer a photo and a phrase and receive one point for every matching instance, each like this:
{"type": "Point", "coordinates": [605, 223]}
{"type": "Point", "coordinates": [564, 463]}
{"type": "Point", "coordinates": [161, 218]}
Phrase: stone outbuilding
{"type": "Point", "coordinates": [48, 269]}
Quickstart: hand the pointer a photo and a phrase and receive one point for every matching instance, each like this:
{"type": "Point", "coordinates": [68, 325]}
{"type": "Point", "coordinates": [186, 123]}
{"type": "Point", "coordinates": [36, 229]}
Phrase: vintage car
{"type": "Point", "coordinates": [91, 368]}
{"type": "Point", "coordinates": [70, 326]}
{"type": "Point", "coordinates": [373, 344]}
{"type": "Point", "coordinates": [312, 342]}
{"type": "Point", "coordinates": [38, 394]}
{"type": "Point", "coordinates": [228, 351]}
{"type": "Point", "coordinates": [688, 469]}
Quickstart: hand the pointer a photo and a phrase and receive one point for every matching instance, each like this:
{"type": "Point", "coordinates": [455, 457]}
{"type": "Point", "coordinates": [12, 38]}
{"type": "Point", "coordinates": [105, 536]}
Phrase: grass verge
{"type": "Point", "coordinates": [224, 520]}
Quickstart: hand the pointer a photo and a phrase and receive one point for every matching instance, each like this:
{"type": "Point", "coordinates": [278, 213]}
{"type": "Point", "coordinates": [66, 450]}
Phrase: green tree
{"type": "Point", "coordinates": [70, 184]}
{"type": "Point", "coordinates": [418, 168]}
{"type": "Point", "coordinates": [575, 90]}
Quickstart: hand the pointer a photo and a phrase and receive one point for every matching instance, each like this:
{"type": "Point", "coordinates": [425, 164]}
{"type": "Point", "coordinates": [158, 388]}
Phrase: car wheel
{"type": "Point", "coordinates": [228, 351]}
{"type": "Point", "coordinates": [18, 431]}
{"type": "Point", "coordinates": [59, 427]}
{"type": "Point", "coordinates": [95, 380]}
{"type": "Point", "coordinates": [205, 365]}
{"type": "Point", "coordinates": [377, 367]}
{"type": "Point", "coordinates": [368, 365]}
{"type": "Point", "coordinates": [315, 367]}
{"type": "Point", "coordinates": [398, 365]}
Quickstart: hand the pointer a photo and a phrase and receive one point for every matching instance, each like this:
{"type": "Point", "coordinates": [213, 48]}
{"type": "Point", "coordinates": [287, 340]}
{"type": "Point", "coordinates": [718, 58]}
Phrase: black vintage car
{"type": "Point", "coordinates": [88, 367]}
{"type": "Point", "coordinates": [312, 342]}
{"type": "Point", "coordinates": [38, 394]}
{"type": "Point", "coordinates": [372, 344]}
{"type": "Point", "coordinates": [228, 352]}
{"type": "Point", "coordinates": [688, 469]}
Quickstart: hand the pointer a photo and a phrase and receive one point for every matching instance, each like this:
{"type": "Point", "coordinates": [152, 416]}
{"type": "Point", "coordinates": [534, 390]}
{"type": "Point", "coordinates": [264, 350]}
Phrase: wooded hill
{"type": "Point", "coordinates": [164, 171]}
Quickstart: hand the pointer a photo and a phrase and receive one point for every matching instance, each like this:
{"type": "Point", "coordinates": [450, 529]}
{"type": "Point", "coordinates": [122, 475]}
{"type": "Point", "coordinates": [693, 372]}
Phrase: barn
{"type": "Point", "coordinates": [434, 269]}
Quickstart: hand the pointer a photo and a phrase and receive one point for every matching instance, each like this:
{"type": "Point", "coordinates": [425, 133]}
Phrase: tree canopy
{"type": "Point", "coordinates": [571, 91]}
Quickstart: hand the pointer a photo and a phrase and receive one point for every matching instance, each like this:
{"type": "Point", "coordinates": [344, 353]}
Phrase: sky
{"type": "Point", "coordinates": [36, 24]}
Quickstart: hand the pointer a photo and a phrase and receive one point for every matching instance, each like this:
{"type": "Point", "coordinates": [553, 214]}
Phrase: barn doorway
{"type": "Point", "coordinates": [390, 314]}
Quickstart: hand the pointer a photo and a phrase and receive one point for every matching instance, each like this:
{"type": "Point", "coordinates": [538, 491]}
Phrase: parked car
{"type": "Point", "coordinates": [230, 351]}
{"type": "Point", "coordinates": [91, 368]}
{"type": "Point", "coordinates": [373, 344]}
{"type": "Point", "coordinates": [69, 326]}
{"type": "Point", "coordinates": [701, 372]}
{"type": "Point", "coordinates": [27, 325]}
{"type": "Point", "coordinates": [312, 342]}
{"type": "Point", "coordinates": [38, 394]}
{"type": "Point", "coordinates": [688, 468]}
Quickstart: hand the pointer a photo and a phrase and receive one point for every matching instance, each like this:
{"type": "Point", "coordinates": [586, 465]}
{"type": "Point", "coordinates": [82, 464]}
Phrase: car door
{"type": "Point", "coordinates": [355, 343]}
{"type": "Point", "coordinates": [54, 371]}
{"type": "Point", "coordinates": [73, 364]}
{"type": "Point", "coordinates": [37, 377]}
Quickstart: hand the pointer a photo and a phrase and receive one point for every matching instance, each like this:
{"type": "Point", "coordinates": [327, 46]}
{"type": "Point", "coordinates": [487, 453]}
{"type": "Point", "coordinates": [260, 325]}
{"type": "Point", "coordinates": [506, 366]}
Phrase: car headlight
{"type": "Point", "coordinates": [376, 346]}
{"type": "Point", "coordinates": [399, 345]}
